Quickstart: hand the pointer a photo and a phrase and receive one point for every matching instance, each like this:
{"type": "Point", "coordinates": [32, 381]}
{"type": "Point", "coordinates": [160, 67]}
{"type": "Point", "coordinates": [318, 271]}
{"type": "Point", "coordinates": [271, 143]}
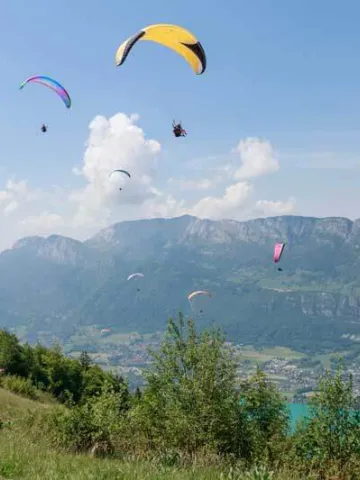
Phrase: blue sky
{"type": "Point", "coordinates": [286, 72]}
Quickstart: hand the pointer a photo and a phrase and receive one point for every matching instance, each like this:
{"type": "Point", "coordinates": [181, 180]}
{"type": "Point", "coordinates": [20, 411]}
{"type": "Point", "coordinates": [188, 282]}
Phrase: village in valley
{"type": "Point", "coordinates": [295, 374]}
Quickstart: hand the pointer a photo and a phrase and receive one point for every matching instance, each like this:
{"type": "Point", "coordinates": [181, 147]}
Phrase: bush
{"type": "Point", "coordinates": [71, 429]}
{"type": "Point", "coordinates": [330, 440]}
{"type": "Point", "coordinates": [91, 425]}
{"type": "Point", "coordinates": [266, 421]}
{"type": "Point", "coordinates": [191, 404]}
{"type": "Point", "coordinates": [20, 386]}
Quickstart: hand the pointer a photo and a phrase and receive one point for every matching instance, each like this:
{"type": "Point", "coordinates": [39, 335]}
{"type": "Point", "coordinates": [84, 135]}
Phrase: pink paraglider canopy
{"type": "Point", "coordinates": [278, 250]}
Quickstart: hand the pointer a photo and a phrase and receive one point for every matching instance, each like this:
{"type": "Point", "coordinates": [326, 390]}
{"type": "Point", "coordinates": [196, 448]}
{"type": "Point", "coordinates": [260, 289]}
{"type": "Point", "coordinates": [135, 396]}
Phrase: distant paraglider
{"type": "Point", "coordinates": [278, 251]}
{"type": "Point", "coordinates": [135, 275]}
{"type": "Point", "coordinates": [196, 299]}
{"type": "Point", "coordinates": [44, 128]}
{"type": "Point", "coordinates": [121, 171]}
{"type": "Point", "coordinates": [105, 331]}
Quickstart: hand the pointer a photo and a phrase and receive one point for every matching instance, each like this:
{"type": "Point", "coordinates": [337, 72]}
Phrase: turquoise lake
{"type": "Point", "coordinates": [297, 412]}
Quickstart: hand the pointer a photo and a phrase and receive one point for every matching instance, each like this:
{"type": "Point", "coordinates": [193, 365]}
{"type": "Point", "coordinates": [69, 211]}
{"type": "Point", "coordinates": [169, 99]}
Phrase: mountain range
{"type": "Point", "coordinates": [52, 286]}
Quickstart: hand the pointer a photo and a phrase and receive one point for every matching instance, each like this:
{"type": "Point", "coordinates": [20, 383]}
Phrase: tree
{"type": "Point", "coordinates": [94, 423]}
{"type": "Point", "coordinates": [85, 360]}
{"type": "Point", "coordinates": [12, 355]}
{"type": "Point", "coordinates": [137, 394]}
{"type": "Point", "coordinates": [61, 376]}
{"type": "Point", "coordinates": [332, 433]}
{"type": "Point", "coordinates": [190, 400]}
{"type": "Point", "coordinates": [267, 419]}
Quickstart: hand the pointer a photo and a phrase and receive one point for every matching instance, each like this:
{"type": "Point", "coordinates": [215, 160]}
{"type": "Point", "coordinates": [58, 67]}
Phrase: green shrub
{"type": "Point", "coordinates": [191, 403]}
{"type": "Point", "coordinates": [20, 386]}
{"type": "Point", "coordinates": [330, 440]}
{"type": "Point", "coordinates": [90, 425]}
{"type": "Point", "coordinates": [71, 429]}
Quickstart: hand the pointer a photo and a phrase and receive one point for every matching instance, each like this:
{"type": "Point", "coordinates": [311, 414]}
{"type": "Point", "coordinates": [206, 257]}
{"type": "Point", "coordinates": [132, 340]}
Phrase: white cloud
{"type": "Point", "coordinates": [118, 143]}
{"type": "Point", "coordinates": [257, 157]}
{"type": "Point", "coordinates": [44, 223]}
{"type": "Point", "coordinates": [235, 198]}
{"type": "Point", "coordinates": [164, 206]}
{"type": "Point", "coordinates": [11, 207]}
{"type": "Point", "coordinates": [269, 207]}
{"type": "Point", "coordinates": [76, 171]}
{"type": "Point", "coordinates": [186, 184]}
{"type": "Point", "coordinates": [114, 143]}
{"type": "Point", "coordinates": [14, 194]}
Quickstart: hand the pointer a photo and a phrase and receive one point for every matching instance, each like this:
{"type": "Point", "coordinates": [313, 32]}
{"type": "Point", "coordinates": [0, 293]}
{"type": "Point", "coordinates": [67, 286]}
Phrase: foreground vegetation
{"type": "Point", "coordinates": [192, 420]}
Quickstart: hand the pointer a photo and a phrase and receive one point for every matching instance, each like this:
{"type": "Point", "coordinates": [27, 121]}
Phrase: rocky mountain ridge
{"type": "Point", "coordinates": [52, 285]}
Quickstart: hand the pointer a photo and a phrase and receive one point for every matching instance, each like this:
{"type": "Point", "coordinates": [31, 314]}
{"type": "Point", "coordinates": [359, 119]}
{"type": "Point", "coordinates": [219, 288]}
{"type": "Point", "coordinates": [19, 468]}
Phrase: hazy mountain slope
{"type": "Point", "coordinates": [54, 284]}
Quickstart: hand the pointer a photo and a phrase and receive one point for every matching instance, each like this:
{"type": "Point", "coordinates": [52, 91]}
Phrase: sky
{"type": "Point", "coordinates": [273, 124]}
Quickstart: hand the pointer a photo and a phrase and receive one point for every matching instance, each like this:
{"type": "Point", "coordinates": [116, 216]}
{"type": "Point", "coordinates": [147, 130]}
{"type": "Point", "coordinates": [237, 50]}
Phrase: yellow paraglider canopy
{"type": "Point", "coordinates": [172, 36]}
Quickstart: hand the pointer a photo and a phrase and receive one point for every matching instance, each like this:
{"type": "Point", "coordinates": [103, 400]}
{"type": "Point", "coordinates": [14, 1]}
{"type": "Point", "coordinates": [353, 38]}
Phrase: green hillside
{"type": "Point", "coordinates": [25, 453]}
{"type": "Point", "coordinates": [192, 420]}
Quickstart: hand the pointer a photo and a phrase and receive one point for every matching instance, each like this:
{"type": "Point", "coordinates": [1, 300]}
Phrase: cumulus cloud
{"type": "Point", "coordinates": [234, 199]}
{"type": "Point", "coordinates": [45, 222]}
{"type": "Point", "coordinates": [269, 207]}
{"type": "Point", "coordinates": [257, 158]}
{"type": "Point", "coordinates": [14, 194]}
{"type": "Point", "coordinates": [188, 184]}
{"type": "Point", "coordinates": [114, 143]}
{"type": "Point", "coordinates": [119, 143]}
{"type": "Point", "coordinates": [237, 202]}
{"type": "Point", "coordinates": [164, 206]}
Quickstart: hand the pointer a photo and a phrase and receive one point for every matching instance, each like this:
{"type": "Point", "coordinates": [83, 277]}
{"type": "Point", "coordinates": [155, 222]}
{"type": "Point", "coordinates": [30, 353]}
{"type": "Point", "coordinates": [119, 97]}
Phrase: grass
{"type": "Point", "coordinates": [254, 355]}
{"type": "Point", "coordinates": [21, 458]}
{"type": "Point", "coordinates": [25, 454]}
{"type": "Point", "coordinates": [326, 358]}
{"type": "Point", "coordinates": [97, 340]}
{"type": "Point", "coordinates": [290, 284]}
{"type": "Point", "coordinates": [115, 339]}
{"type": "Point", "coordinates": [27, 460]}
{"type": "Point", "coordinates": [15, 407]}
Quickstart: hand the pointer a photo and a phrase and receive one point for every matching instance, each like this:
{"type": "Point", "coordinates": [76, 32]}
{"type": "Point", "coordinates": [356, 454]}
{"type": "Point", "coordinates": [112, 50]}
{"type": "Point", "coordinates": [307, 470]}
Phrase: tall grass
{"type": "Point", "coordinates": [26, 454]}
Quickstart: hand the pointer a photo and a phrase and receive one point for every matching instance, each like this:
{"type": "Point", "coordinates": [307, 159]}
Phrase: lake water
{"type": "Point", "coordinates": [297, 412]}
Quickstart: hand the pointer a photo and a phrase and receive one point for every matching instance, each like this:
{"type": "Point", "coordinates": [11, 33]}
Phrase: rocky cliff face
{"type": "Point", "coordinates": [57, 283]}
{"type": "Point", "coordinates": [56, 249]}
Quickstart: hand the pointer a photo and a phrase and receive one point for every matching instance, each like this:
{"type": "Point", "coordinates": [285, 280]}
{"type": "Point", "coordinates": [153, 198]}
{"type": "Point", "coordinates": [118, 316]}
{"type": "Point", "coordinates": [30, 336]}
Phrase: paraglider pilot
{"type": "Point", "coordinates": [44, 128]}
{"type": "Point", "coordinates": [178, 131]}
